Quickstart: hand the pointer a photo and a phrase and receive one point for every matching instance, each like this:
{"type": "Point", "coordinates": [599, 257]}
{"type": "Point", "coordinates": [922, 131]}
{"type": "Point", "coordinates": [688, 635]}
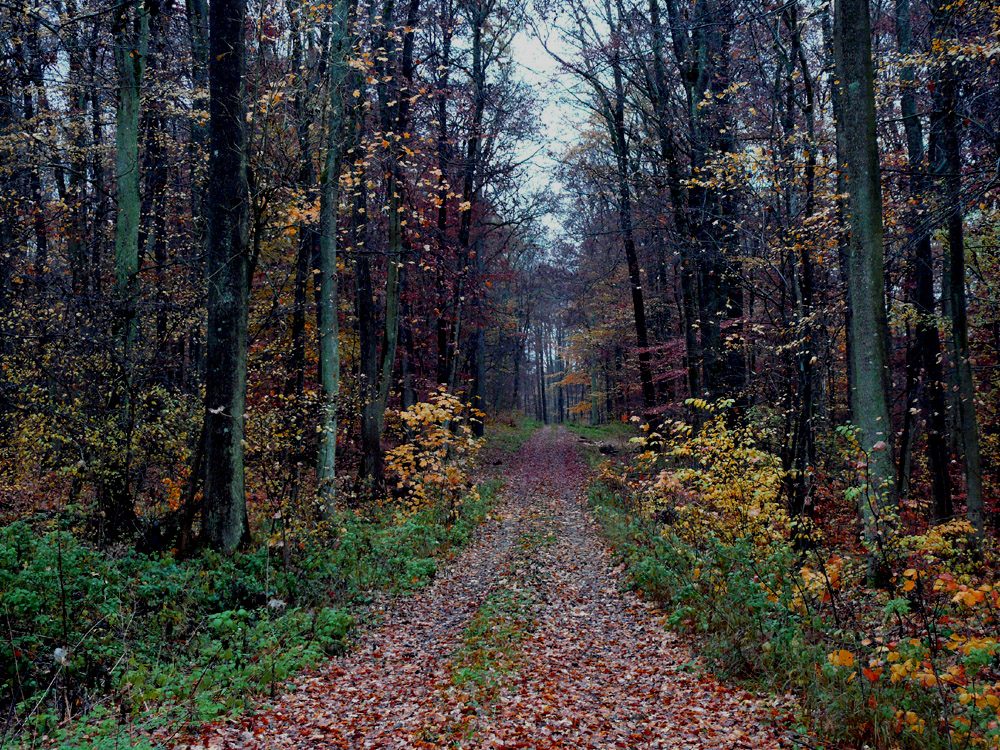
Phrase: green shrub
{"type": "Point", "coordinates": [199, 638]}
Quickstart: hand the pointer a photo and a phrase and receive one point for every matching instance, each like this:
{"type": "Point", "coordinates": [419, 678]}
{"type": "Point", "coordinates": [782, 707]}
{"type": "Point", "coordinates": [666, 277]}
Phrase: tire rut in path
{"type": "Point", "coordinates": [597, 671]}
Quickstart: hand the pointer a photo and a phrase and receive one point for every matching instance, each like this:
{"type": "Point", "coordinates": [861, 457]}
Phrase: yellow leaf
{"type": "Point", "coordinates": [841, 658]}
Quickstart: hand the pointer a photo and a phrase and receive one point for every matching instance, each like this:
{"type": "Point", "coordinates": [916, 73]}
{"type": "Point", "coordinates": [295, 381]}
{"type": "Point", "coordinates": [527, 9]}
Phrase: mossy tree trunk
{"type": "Point", "coordinates": [870, 395]}
{"type": "Point", "coordinates": [131, 49]}
{"type": "Point", "coordinates": [329, 328]}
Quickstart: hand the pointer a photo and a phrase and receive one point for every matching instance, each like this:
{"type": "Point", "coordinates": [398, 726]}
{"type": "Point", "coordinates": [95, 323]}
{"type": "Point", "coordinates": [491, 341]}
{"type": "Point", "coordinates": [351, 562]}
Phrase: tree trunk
{"type": "Point", "coordinates": [925, 351]}
{"type": "Point", "coordinates": [131, 34]}
{"type": "Point", "coordinates": [329, 321]}
{"type": "Point", "coordinates": [836, 97]}
{"type": "Point", "coordinates": [617, 125]}
{"type": "Point", "coordinates": [198, 21]}
{"type": "Point", "coordinates": [948, 162]}
{"type": "Point", "coordinates": [444, 354]}
{"type": "Point", "coordinates": [870, 395]}
{"type": "Point", "coordinates": [540, 363]}
{"type": "Point", "coordinates": [224, 518]}
{"type": "Point", "coordinates": [477, 20]}
{"type": "Point", "coordinates": [396, 115]}
{"type": "Point", "coordinates": [32, 82]}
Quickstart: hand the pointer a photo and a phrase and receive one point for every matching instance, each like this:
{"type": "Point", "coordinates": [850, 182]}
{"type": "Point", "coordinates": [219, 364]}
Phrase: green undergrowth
{"type": "Point", "coordinates": [490, 643]}
{"type": "Point", "coordinates": [99, 648]}
{"type": "Point", "coordinates": [745, 612]}
{"type": "Point", "coordinates": [620, 432]}
{"type": "Point", "coordinates": [615, 435]}
{"type": "Point", "coordinates": [507, 435]}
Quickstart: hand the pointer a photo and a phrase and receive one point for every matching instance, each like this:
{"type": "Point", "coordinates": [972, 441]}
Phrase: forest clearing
{"type": "Point", "coordinates": [499, 373]}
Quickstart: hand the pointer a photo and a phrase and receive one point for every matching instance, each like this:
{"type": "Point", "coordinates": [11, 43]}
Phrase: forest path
{"type": "Point", "coordinates": [525, 641]}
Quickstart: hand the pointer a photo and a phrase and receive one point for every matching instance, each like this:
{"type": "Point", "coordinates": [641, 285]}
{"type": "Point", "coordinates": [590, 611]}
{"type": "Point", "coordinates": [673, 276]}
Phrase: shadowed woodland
{"type": "Point", "coordinates": [310, 308]}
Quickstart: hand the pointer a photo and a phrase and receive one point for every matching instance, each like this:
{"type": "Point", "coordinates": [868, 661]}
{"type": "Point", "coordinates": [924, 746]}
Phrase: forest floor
{"type": "Point", "coordinates": [526, 640]}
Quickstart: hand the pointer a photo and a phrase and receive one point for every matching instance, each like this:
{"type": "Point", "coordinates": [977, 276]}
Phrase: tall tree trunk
{"type": "Point", "coordinates": [308, 237]}
{"type": "Point", "coordinates": [925, 351]}
{"type": "Point", "coordinates": [377, 367]}
{"type": "Point", "coordinates": [224, 517]}
{"type": "Point", "coordinates": [370, 468]}
{"type": "Point", "coordinates": [444, 354]}
{"type": "Point", "coordinates": [329, 332]}
{"type": "Point", "coordinates": [198, 22]}
{"type": "Point", "coordinates": [540, 363]}
{"type": "Point", "coordinates": [560, 369]}
{"type": "Point", "coordinates": [870, 360]}
{"type": "Point", "coordinates": [401, 122]}
{"type": "Point", "coordinates": [131, 34]}
{"type": "Point", "coordinates": [395, 113]}
{"type": "Point", "coordinates": [159, 207]}
{"type": "Point", "coordinates": [32, 82]}
{"type": "Point", "coordinates": [77, 198]}
{"type": "Point", "coordinates": [948, 163]}
{"type": "Point", "coordinates": [803, 444]}
{"type": "Point", "coordinates": [842, 237]}
{"type": "Point", "coordinates": [678, 200]}
{"type": "Point", "coordinates": [99, 209]}
{"type": "Point", "coordinates": [618, 134]}
{"type": "Point", "coordinates": [477, 20]}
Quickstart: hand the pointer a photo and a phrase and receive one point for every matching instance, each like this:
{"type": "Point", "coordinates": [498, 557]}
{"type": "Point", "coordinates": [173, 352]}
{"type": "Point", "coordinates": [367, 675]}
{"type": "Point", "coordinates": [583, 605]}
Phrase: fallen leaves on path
{"type": "Point", "coordinates": [596, 670]}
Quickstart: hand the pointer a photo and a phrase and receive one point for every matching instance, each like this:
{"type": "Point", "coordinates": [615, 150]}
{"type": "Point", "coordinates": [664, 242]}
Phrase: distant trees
{"type": "Point", "coordinates": [758, 144]}
{"type": "Point", "coordinates": [220, 309]}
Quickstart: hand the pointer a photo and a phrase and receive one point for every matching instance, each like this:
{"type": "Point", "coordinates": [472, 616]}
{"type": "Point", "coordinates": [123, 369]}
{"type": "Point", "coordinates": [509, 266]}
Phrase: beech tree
{"type": "Point", "coordinates": [329, 303]}
{"type": "Point", "coordinates": [869, 358]}
{"type": "Point", "coordinates": [228, 273]}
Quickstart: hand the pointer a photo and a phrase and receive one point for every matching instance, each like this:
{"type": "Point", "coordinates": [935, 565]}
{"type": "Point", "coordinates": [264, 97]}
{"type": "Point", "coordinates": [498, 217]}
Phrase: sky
{"type": "Point", "coordinates": [559, 121]}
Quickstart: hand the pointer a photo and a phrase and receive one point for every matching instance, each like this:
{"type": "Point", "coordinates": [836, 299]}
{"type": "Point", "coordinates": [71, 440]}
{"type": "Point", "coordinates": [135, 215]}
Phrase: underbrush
{"type": "Point", "coordinates": [96, 644]}
{"type": "Point", "coordinates": [607, 431]}
{"type": "Point", "coordinates": [505, 435]}
{"type": "Point", "coordinates": [701, 529]}
{"type": "Point", "coordinates": [610, 438]}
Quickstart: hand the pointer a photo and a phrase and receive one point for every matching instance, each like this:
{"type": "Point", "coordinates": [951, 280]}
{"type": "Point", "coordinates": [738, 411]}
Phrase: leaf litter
{"type": "Point", "coordinates": [595, 667]}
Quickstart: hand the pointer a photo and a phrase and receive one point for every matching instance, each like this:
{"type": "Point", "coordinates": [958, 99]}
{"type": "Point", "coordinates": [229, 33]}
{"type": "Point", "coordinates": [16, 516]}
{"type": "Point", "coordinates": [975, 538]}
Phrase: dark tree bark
{"type": "Point", "coordinates": [224, 516]}
{"type": "Point", "coordinates": [616, 122]}
{"type": "Point", "coordinates": [477, 17]}
{"type": "Point", "coordinates": [444, 354]}
{"type": "Point", "coordinates": [925, 347]}
{"type": "Point", "coordinates": [678, 200]}
{"type": "Point", "coordinates": [198, 35]}
{"type": "Point", "coordinates": [947, 160]}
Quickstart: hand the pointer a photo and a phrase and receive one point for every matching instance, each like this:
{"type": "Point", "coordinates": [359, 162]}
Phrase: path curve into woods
{"type": "Point", "coordinates": [590, 667]}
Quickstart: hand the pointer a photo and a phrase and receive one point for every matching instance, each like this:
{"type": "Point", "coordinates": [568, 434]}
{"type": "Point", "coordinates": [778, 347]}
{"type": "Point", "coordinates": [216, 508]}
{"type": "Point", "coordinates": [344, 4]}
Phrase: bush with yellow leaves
{"type": "Point", "coordinates": [697, 519]}
{"type": "Point", "coordinates": [714, 479]}
{"type": "Point", "coordinates": [435, 461]}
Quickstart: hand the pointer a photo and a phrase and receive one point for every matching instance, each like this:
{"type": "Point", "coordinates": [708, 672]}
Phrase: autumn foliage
{"type": "Point", "coordinates": [698, 517]}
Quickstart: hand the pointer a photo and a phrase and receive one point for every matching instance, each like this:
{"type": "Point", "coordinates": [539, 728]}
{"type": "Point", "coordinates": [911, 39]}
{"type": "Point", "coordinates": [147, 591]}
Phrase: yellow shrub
{"type": "Point", "coordinates": [435, 460]}
{"type": "Point", "coordinates": [715, 479]}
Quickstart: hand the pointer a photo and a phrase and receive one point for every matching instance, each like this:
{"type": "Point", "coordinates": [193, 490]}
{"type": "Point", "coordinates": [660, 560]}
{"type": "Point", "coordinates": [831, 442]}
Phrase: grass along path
{"type": "Point", "coordinates": [525, 641]}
